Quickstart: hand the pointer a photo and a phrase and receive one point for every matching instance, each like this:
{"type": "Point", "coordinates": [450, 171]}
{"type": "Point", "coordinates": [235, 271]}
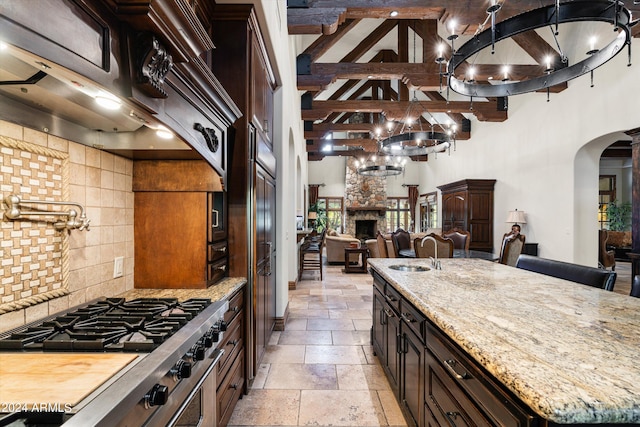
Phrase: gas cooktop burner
{"type": "Point", "coordinates": [112, 324]}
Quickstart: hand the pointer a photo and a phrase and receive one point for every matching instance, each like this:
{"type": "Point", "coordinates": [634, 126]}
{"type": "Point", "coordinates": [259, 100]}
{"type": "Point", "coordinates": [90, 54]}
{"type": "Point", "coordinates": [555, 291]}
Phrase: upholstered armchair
{"type": "Point", "coordinates": [606, 258]}
{"type": "Point", "coordinates": [336, 244]}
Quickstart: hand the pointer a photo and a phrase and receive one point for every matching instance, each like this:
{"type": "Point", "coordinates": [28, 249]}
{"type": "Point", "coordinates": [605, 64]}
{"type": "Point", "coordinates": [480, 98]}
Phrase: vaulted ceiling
{"type": "Point", "coordinates": [364, 61]}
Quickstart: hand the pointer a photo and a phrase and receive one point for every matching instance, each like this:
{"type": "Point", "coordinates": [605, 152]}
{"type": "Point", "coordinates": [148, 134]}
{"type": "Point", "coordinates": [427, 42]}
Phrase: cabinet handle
{"type": "Point", "coordinates": [450, 365]}
{"type": "Point", "coordinates": [451, 416]}
{"type": "Point", "coordinates": [215, 218]}
{"type": "Point", "coordinates": [382, 318]}
{"type": "Point", "coordinates": [408, 318]}
{"type": "Point", "coordinates": [399, 344]}
{"type": "Point", "coordinates": [234, 386]}
{"type": "Point", "coordinates": [390, 298]}
{"type": "Point", "coordinates": [235, 309]}
{"type": "Point", "coordinates": [389, 313]}
{"type": "Point", "coordinates": [233, 343]}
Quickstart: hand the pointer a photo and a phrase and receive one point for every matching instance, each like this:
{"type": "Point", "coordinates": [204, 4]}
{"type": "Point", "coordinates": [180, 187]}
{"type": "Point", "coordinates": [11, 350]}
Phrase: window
{"type": "Point", "coordinates": [330, 213]}
{"type": "Point", "coordinates": [398, 213]}
{"type": "Point", "coordinates": [428, 211]}
{"type": "Point", "coordinates": [606, 195]}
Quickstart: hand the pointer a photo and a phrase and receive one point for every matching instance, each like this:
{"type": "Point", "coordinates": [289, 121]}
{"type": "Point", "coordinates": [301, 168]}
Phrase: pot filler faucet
{"type": "Point", "coordinates": [72, 221]}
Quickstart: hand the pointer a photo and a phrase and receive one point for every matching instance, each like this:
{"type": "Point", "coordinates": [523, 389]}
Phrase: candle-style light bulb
{"type": "Point", "coordinates": [452, 26]}
{"type": "Point", "coordinates": [505, 72]}
{"type": "Point", "coordinates": [548, 60]}
{"type": "Point", "coordinates": [471, 73]}
{"type": "Point", "coordinates": [440, 50]}
{"type": "Point", "coordinates": [592, 42]}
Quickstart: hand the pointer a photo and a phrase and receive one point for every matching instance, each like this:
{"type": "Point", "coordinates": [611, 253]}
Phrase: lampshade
{"type": "Point", "coordinates": [313, 215]}
{"type": "Point", "coordinates": [516, 217]}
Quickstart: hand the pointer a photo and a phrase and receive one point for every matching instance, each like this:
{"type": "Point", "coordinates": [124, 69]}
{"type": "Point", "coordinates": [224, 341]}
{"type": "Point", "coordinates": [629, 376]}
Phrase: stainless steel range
{"type": "Point", "coordinates": [171, 380]}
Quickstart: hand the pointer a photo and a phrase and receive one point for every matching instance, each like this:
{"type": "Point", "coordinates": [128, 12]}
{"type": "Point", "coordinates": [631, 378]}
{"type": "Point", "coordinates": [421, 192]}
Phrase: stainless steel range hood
{"type": "Point", "coordinates": [39, 94]}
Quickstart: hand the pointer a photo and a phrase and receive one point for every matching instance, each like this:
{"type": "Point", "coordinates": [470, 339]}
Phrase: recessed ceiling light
{"type": "Point", "coordinates": [3, 45]}
{"type": "Point", "coordinates": [163, 132]}
{"type": "Point", "coordinates": [393, 13]}
{"type": "Point", "coordinates": [108, 102]}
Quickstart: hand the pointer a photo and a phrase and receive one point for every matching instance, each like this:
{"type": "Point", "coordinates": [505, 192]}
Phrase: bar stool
{"type": "Point", "coordinates": [310, 254]}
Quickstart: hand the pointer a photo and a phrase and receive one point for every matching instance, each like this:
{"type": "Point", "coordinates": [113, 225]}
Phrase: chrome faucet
{"type": "Point", "coordinates": [435, 263]}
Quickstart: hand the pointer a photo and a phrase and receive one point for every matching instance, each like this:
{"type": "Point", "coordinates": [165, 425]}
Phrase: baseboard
{"type": "Point", "coordinates": [281, 321]}
{"type": "Point", "coordinates": [293, 284]}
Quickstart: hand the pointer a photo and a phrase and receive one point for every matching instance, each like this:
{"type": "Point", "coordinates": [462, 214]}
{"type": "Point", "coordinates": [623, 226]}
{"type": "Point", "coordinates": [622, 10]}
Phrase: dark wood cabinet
{"type": "Point", "coordinates": [179, 226]}
{"type": "Point", "coordinates": [398, 343]}
{"type": "Point", "coordinates": [231, 382]}
{"type": "Point", "coordinates": [242, 65]}
{"type": "Point", "coordinates": [434, 381]}
{"type": "Point", "coordinates": [468, 204]}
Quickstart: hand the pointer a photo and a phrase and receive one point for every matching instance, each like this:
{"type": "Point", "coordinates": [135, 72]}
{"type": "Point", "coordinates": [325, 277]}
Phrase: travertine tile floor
{"type": "Point", "coordinates": [320, 371]}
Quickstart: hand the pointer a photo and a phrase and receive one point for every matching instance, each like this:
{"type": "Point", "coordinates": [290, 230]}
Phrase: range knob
{"type": "Point", "coordinates": [196, 352]}
{"type": "Point", "coordinates": [182, 369]}
{"type": "Point", "coordinates": [213, 334]}
{"type": "Point", "coordinates": [158, 395]}
{"type": "Point", "coordinates": [222, 325]}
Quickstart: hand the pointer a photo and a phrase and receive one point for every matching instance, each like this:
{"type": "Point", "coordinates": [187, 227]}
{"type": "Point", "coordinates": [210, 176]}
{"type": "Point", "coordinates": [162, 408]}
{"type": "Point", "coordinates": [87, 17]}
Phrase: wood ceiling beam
{"type": "Point", "coordinates": [322, 44]}
{"type": "Point", "coordinates": [484, 111]}
{"type": "Point", "coordinates": [414, 75]}
{"type": "Point", "coordinates": [370, 41]}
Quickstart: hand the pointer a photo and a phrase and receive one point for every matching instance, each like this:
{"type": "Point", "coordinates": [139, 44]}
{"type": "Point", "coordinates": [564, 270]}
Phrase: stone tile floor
{"type": "Point", "coordinates": [321, 370]}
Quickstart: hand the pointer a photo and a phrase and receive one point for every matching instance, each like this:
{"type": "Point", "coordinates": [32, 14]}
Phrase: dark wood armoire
{"type": "Point", "coordinates": [241, 63]}
{"type": "Point", "coordinates": [468, 204]}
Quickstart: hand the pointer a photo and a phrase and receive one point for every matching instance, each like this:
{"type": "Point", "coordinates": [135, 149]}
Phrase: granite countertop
{"type": "Point", "coordinates": [569, 351]}
{"type": "Point", "coordinates": [221, 290]}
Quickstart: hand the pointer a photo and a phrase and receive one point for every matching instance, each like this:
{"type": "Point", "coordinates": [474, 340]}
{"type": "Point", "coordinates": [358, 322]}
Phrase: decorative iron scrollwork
{"type": "Point", "coordinates": [209, 136]}
{"type": "Point", "coordinates": [154, 62]}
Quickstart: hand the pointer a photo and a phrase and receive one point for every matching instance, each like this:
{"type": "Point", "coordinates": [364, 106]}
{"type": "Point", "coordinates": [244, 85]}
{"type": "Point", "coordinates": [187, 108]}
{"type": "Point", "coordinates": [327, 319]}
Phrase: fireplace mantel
{"type": "Point", "coordinates": [381, 210]}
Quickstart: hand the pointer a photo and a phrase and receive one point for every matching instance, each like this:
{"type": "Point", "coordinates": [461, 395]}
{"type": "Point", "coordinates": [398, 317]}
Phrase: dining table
{"type": "Point", "coordinates": [457, 253]}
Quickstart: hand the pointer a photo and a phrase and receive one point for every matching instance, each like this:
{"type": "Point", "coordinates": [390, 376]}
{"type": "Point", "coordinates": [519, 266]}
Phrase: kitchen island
{"type": "Point", "coordinates": [567, 353]}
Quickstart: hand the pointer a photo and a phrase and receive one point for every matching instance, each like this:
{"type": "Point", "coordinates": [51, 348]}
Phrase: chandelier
{"type": "Point", "coordinates": [551, 72]}
{"type": "Point", "coordinates": [380, 165]}
{"type": "Point", "coordinates": [404, 138]}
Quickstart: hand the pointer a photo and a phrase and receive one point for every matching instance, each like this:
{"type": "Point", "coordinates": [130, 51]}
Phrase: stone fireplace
{"type": "Point", "coordinates": [365, 201]}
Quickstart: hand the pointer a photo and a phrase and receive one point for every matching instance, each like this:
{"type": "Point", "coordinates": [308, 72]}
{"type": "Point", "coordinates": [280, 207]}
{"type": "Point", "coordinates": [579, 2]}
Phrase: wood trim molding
{"type": "Point", "coordinates": [280, 322]}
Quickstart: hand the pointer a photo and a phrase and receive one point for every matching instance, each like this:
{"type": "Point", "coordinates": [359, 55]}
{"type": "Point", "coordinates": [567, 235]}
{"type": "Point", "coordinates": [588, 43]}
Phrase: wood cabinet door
{"type": "Point", "coordinates": [412, 395]}
{"type": "Point", "coordinates": [454, 210]}
{"type": "Point", "coordinates": [265, 259]}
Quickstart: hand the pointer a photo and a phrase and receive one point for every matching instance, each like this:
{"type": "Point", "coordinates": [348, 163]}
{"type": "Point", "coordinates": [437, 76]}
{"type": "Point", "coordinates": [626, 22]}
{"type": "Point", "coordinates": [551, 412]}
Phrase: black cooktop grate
{"type": "Point", "coordinates": [112, 324]}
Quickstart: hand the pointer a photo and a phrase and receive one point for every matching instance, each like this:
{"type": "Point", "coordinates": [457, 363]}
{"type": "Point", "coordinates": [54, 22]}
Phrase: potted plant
{"type": "Point", "coordinates": [619, 216]}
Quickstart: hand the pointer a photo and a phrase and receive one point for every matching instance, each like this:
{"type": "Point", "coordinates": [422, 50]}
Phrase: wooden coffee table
{"type": "Point", "coordinates": [356, 268]}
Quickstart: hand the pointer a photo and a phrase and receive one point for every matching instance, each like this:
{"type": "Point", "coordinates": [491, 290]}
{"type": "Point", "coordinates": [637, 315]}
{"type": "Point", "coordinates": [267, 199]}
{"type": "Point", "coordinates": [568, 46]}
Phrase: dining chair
{"type": "Point", "coordinates": [401, 240]}
{"type": "Point", "coordinates": [461, 238]}
{"type": "Point", "coordinates": [511, 249]}
{"type": "Point", "coordinates": [434, 246]}
{"type": "Point", "coordinates": [382, 246]}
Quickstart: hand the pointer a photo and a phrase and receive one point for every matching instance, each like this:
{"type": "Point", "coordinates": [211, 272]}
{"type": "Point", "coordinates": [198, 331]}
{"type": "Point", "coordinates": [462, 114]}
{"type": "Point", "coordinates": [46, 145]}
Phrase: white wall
{"type": "Point", "coordinates": [537, 160]}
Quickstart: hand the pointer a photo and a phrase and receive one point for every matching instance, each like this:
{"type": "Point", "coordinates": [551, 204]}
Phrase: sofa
{"type": "Point", "coordinates": [335, 243]}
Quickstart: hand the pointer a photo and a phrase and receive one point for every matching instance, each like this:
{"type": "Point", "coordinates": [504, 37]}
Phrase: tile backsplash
{"type": "Point", "coordinates": [45, 271]}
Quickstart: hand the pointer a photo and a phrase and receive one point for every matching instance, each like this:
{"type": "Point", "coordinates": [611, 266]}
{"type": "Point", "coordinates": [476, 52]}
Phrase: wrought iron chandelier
{"type": "Point", "coordinates": [551, 74]}
{"type": "Point", "coordinates": [380, 165]}
{"type": "Point", "coordinates": [406, 139]}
